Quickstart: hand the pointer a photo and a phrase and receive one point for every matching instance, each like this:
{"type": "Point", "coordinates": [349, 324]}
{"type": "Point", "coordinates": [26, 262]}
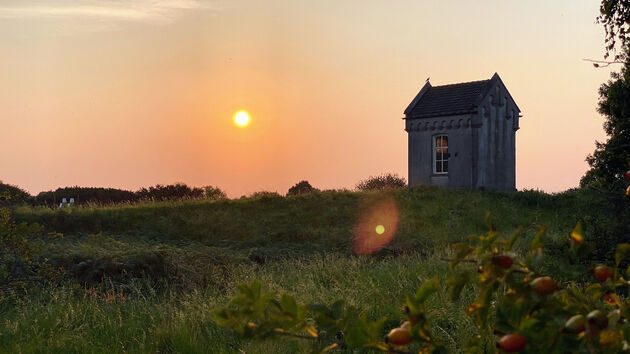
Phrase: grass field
{"type": "Point", "coordinates": [147, 277]}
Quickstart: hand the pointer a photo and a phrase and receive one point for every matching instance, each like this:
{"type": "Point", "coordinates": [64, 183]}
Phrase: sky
{"type": "Point", "coordinates": [126, 94]}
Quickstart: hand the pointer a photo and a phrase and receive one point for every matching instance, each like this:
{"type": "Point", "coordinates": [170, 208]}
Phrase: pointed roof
{"type": "Point", "coordinates": [461, 98]}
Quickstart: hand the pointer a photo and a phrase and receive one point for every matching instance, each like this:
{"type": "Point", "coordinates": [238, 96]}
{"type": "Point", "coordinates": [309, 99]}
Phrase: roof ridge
{"type": "Point", "coordinates": [462, 83]}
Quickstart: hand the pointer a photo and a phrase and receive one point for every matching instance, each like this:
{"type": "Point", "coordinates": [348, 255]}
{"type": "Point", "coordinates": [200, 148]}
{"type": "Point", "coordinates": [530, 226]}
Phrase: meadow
{"type": "Point", "coordinates": [147, 277]}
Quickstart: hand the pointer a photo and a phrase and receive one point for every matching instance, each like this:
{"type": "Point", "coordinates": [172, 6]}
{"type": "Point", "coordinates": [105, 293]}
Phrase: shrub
{"type": "Point", "coordinates": [85, 195]}
{"type": "Point", "coordinates": [301, 187]}
{"type": "Point", "coordinates": [18, 195]}
{"type": "Point", "coordinates": [20, 257]}
{"type": "Point", "coordinates": [384, 181]}
{"type": "Point", "coordinates": [92, 195]}
{"type": "Point", "coordinates": [213, 193]}
{"type": "Point", "coordinates": [177, 191]}
{"type": "Point", "coordinates": [265, 194]}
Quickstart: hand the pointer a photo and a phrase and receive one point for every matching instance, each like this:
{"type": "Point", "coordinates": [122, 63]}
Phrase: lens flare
{"type": "Point", "coordinates": [376, 226]}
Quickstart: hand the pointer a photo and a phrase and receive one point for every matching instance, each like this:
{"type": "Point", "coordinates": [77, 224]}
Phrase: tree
{"type": "Point", "coordinates": [615, 16]}
{"type": "Point", "coordinates": [18, 195]}
{"type": "Point", "coordinates": [213, 193]}
{"type": "Point", "coordinates": [610, 159]}
{"type": "Point", "coordinates": [301, 187]}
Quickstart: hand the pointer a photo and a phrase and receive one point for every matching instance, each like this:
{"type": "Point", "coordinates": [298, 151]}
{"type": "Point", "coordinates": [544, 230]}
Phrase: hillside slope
{"type": "Point", "coordinates": [272, 227]}
{"type": "Point", "coordinates": [148, 277]}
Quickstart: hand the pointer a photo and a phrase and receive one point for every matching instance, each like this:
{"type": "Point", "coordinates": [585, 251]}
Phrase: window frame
{"type": "Point", "coordinates": [445, 155]}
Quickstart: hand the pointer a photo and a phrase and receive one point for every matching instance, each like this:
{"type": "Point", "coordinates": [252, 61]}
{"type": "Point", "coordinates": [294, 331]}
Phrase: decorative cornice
{"type": "Point", "coordinates": [439, 124]}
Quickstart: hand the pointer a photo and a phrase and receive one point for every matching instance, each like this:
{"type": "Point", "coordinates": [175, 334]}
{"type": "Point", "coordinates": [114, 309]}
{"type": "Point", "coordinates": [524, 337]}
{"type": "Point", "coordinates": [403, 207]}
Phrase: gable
{"type": "Point", "coordinates": [497, 84]}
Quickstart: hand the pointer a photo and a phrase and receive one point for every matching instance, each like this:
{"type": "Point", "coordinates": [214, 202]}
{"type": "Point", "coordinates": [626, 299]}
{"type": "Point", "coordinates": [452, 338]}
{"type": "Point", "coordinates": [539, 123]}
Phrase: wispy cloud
{"type": "Point", "coordinates": [111, 10]}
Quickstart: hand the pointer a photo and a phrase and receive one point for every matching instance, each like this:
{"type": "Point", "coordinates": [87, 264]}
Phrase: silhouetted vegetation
{"type": "Point", "coordinates": [213, 193]}
{"type": "Point", "coordinates": [614, 15]}
{"type": "Point", "coordinates": [13, 195]}
{"type": "Point", "coordinates": [265, 195]}
{"type": "Point", "coordinates": [609, 161]}
{"type": "Point", "coordinates": [384, 181]}
{"type": "Point", "coordinates": [85, 195]}
{"type": "Point", "coordinates": [301, 187]}
{"type": "Point", "coordinates": [106, 196]}
{"type": "Point", "coordinates": [176, 191]}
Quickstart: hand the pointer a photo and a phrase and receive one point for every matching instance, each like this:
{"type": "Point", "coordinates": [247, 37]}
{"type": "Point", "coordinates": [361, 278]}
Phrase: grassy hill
{"type": "Point", "coordinates": [147, 277]}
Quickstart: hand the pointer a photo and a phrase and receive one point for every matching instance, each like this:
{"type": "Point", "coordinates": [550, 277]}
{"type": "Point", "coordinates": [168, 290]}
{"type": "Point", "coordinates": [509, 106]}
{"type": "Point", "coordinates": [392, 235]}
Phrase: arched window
{"type": "Point", "coordinates": [440, 154]}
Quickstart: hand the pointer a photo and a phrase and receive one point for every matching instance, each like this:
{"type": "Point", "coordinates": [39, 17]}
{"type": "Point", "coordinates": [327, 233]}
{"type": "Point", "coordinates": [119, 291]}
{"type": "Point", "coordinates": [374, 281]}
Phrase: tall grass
{"type": "Point", "coordinates": [147, 277]}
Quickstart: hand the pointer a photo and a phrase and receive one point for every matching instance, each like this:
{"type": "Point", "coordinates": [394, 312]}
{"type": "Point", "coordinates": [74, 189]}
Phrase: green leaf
{"type": "Point", "coordinates": [514, 237]}
{"type": "Point", "coordinates": [457, 282]}
{"type": "Point", "coordinates": [576, 235]}
{"type": "Point", "coordinates": [529, 323]}
{"type": "Point", "coordinates": [481, 307]}
{"type": "Point", "coordinates": [414, 308]}
{"type": "Point", "coordinates": [337, 309]}
{"type": "Point", "coordinates": [462, 250]}
{"type": "Point", "coordinates": [583, 249]}
{"type": "Point", "coordinates": [427, 289]}
{"type": "Point", "coordinates": [536, 241]}
{"type": "Point", "coordinates": [622, 252]}
{"type": "Point", "coordinates": [321, 309]}
{"type": "Point", "coordinates": [311, 330]}
{"type": "Point", "coordinates": [534, 259]}
{"type": "Point", "coordinates": [517, 311]}
{"type": "Point", "coordinates": [381, 346]}
{"type": "Point", "coordinates": [488, 221]}
{"type": "Point", "coordinates": [289, 305]}
{"type": "Point", "coordinates": [326, 349]}
{"type": "Point", "coordinates": [250, 291]}
{"type": "Point", "coordinates": [220, 317]}
{"type": "Point", "coordinates": [256, 289]}
{"type": "Point", "coordinates": [488, 240]}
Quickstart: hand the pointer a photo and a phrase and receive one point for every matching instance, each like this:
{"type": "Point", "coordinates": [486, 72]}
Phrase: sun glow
{"type": "Point", "coordinates": [241, 118]}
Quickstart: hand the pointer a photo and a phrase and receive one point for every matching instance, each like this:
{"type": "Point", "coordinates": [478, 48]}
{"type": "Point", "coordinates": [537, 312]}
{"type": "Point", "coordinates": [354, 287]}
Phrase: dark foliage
{"type": "Point", "coordinates": [176, 191]}
{"type": "Point", "coordinates": [385, 181]}
{"type": "Point", "coordinates": [609, 161]}
{"type": "Point", "coordinates": [301, 187]}
{"type": "Point", "coordinates": [103, 196]}
{"type": "Point", "coordinates": [85, 195]}
{"type": "Point", "coordinates": [20, 256]}
{"type": "Point", "coordinates": [135, 264]}
{"type": "Point", "coordinates": [18, 195]}
{"type": "Point", "coordinates": [603, 185]}
{"type": "Point", "coordinates": [213, 193]}
{"type": "Point", "coordinates": [265, 195]}
{"type": "Point", "coordinates": [615, 16]}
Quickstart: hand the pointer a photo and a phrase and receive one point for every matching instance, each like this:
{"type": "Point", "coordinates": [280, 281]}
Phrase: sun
{"type": "Point", "coordinates": [241, 118]}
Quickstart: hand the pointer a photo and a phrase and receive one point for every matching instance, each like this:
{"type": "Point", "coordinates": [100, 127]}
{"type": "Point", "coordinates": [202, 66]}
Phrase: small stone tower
{"type": "Point", "coordinates": [463, 135]}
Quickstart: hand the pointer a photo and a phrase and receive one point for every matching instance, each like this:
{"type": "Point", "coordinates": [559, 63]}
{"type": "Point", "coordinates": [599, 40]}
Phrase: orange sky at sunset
{"type": "Point", "coordinates": [124, 94]}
